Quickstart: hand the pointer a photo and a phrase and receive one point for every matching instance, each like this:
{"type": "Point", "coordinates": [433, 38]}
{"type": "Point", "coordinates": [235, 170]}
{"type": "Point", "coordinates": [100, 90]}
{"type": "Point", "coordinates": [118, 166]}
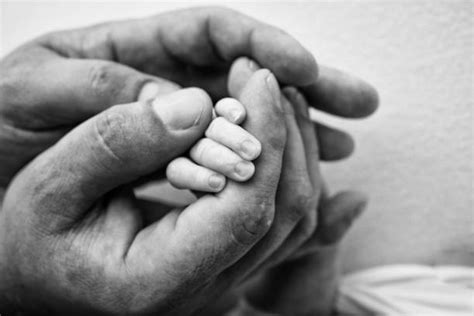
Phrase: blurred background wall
{"type": "Point", "coordinates": [414, 157]}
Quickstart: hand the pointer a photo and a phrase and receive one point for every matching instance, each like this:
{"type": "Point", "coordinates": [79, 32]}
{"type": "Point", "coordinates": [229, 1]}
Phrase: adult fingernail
{"type": "Point", "coordinates": [249, 149]}
{"type": "Point", "coordinates": [182, 109]}
{"type": "Point", "coordinates": [151, 90]}
{"type": "Point", "coordinates": [252, 65]}
{"type": "Point", "coordinates": [244, 169]}
{"type": "Point", "coordinates": [216, 181]}
{"type": "Point", "coordinates": [272, 85]}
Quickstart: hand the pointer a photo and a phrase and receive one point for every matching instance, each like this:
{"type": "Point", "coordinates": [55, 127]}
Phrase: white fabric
{"type": "Point", "coordinates": [408, 290]}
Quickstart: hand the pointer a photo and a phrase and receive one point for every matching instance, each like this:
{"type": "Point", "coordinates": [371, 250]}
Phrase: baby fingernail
{"type": "Point", "coordinates": [244, 169]}
{"type": "Point", "coordinates": [216, 181]}
{"type": "Point", "coordinates": [250, 150]}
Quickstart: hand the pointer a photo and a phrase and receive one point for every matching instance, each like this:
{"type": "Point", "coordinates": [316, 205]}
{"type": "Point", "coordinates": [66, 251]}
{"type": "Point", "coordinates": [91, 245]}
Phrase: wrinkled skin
{"type": "Point", "coordinates": [79, 230]}
{"type": "Point", "coordinates": [53, 83]}
{"type": "Point", "coordinates": [86, 246]}
{"type": "Point", "coordinates": [307, 228]}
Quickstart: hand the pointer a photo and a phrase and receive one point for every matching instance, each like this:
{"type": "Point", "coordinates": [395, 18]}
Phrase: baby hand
{"type": "Point", "coordinates": [227, 151]}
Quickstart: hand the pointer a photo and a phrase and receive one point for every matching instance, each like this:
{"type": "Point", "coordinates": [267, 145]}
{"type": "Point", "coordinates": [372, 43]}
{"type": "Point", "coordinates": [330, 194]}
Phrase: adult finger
{"type": "Point", "coordinates": [198, 37]}
{"type": "Point", "coordinates": [291, 203]}
{"type": "Point", "coordinates": [44, 97]}
{"type": "Point", "coordinates": [210, 38]}
{"type": "Point", "coordinates": [336, 215]}
{"type": "Point", "coordinates": [333, 144]}
{"type": "Point", "coordinates": [311, 273]}
{"type": "Point", "coordinates": [217, 230]}
{"type": "Point", "coordinates": [309, 149]}
{"type": "Point", "coordinates": [308, 136]}
{"type": "Point", "coordinates": [341, 94]}
{"type": "Point", "coordinates": [86, 86]}
{"type": "Point", "coordinates": [113, 148]}
{"type": "Point", "coordinates": [241, 70]}
{"type": "Point", "coordinates": [152, 211]}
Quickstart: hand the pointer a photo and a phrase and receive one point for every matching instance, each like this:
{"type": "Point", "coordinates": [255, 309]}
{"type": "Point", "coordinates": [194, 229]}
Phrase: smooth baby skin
{"type": "Point", "coordinates": [226, 151]}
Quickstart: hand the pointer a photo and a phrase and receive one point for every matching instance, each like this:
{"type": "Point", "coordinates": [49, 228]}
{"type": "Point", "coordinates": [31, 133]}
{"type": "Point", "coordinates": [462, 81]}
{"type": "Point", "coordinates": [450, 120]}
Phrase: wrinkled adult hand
{"type": "Point", "coordinates": [73, 239]}
{"type": "Point", "coordinates": [307, 284]}
{"type": "Point", "coordinates": [53, 83]}
{"type": "Point", "coordinates": [305, 221]}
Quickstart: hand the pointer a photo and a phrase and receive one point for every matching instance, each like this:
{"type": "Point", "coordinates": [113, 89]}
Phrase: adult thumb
{"type": "Point", "coordinates": [115, 147]}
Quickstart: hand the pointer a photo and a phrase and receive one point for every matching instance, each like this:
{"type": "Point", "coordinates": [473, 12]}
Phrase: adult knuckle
{"type": "Point", "coordinates": [303, 201]}
{"type": "Point", "coordinates": [101, 79]}
{"type": "Point", "coordinates": [11, 85]}
{"type": "Point", "coordinates": [110, 132]}
{"type": "Point", "coordinates": [92, 43]}
{"type": "Point", "coordinates": [255, 221]}
{"type": "Point", "coordinates": [218, 11]}
{"type": "Point", "coordinates": [276, 138]}
{"type": "Point", "coordinates": [308, 226]}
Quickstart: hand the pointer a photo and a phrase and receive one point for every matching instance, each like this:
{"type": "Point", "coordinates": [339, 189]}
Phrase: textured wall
{"type": "Point", "coordinates": [414, 156]}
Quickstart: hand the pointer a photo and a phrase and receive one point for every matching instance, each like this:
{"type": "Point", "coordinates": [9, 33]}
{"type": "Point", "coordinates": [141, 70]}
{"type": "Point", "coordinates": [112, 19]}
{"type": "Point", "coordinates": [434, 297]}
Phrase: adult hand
{"type": "Point", "coordinates": [53, 83]}
{"type": "Point", "coordinates": [72, 238]}
{"type": "Point", "coordinates": [301, 225]}
{"type": "Point", "coordinates": [307, 284]}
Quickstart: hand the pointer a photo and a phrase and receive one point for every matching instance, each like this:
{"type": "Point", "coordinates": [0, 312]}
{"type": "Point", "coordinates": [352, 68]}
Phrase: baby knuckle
{"type": "Point", "coordinates": [216, 125]}
{"type": "Point", "coordinates": [200, 150]}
